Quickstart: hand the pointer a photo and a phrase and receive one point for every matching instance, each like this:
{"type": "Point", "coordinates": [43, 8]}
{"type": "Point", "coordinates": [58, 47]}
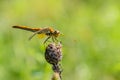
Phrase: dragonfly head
{"type": "Point", "coordinates": [56, 33]}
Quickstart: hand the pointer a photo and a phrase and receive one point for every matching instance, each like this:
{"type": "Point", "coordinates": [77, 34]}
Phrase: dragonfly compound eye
{"type": "Point", "coordinates": [57, 33]}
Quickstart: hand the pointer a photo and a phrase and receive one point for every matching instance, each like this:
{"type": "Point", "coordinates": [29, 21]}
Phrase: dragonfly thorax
{"type": "Point", "coordinates": [56, 33]}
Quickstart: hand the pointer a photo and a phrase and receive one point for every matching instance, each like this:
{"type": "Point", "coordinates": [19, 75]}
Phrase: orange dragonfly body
{"type": "Point", "coordinates": [48, 31]}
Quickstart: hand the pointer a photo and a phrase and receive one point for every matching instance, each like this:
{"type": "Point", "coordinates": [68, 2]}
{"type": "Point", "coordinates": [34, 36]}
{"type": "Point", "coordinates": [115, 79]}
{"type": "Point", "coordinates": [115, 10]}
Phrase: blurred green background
{"type": "Point", "coordinates": [91, 41]}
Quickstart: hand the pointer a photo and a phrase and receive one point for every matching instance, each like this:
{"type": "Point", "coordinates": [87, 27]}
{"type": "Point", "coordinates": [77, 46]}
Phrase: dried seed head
{"type": "Point", "coordinates": [53, 53]}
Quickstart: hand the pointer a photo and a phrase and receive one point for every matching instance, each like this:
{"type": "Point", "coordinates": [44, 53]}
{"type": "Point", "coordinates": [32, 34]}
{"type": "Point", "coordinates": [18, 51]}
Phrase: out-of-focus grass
{"type": "Point", "coordinates": [91, 41]}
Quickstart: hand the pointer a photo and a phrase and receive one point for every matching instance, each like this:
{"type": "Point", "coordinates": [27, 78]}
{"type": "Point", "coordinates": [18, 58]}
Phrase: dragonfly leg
{"type": "Point", "coordinates": [53, 39]}
{"type": "Point", "coordinates": [47, 39]}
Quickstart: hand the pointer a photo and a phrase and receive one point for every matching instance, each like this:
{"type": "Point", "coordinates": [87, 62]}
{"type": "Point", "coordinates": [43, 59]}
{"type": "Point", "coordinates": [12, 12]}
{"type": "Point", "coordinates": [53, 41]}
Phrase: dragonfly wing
{"type": "Point", "coordinates": [42, 31]}
{"type": "Point", "coordinates": [34, 34]}
{"type": "Point", "coordinates": [39, 32]}
{"type": "Point", "coordinates": [41, 35]}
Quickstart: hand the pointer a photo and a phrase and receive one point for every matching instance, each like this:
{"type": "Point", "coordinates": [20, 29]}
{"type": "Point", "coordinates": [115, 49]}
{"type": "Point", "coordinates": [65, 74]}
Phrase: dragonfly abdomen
{"type": "Point", "coordinates": [27, 28]}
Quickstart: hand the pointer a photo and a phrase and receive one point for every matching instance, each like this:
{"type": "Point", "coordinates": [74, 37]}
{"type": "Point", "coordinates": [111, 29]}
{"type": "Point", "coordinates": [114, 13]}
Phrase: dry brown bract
{"type": "Point", "coordinates": [53, 53]}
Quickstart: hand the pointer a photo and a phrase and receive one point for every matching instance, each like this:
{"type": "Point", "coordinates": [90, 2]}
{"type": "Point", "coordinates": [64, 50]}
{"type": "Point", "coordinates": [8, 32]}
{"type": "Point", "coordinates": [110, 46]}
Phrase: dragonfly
{"type": "Point", "coordinates": [47, 31]}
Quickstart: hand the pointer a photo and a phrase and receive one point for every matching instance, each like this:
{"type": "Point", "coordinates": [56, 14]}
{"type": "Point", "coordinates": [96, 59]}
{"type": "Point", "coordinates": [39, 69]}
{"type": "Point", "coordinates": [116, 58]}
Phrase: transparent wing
{"type": "Point", "coordinates": [41, 35]}
{"type": "Point", "coordinates": [42, 31]}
